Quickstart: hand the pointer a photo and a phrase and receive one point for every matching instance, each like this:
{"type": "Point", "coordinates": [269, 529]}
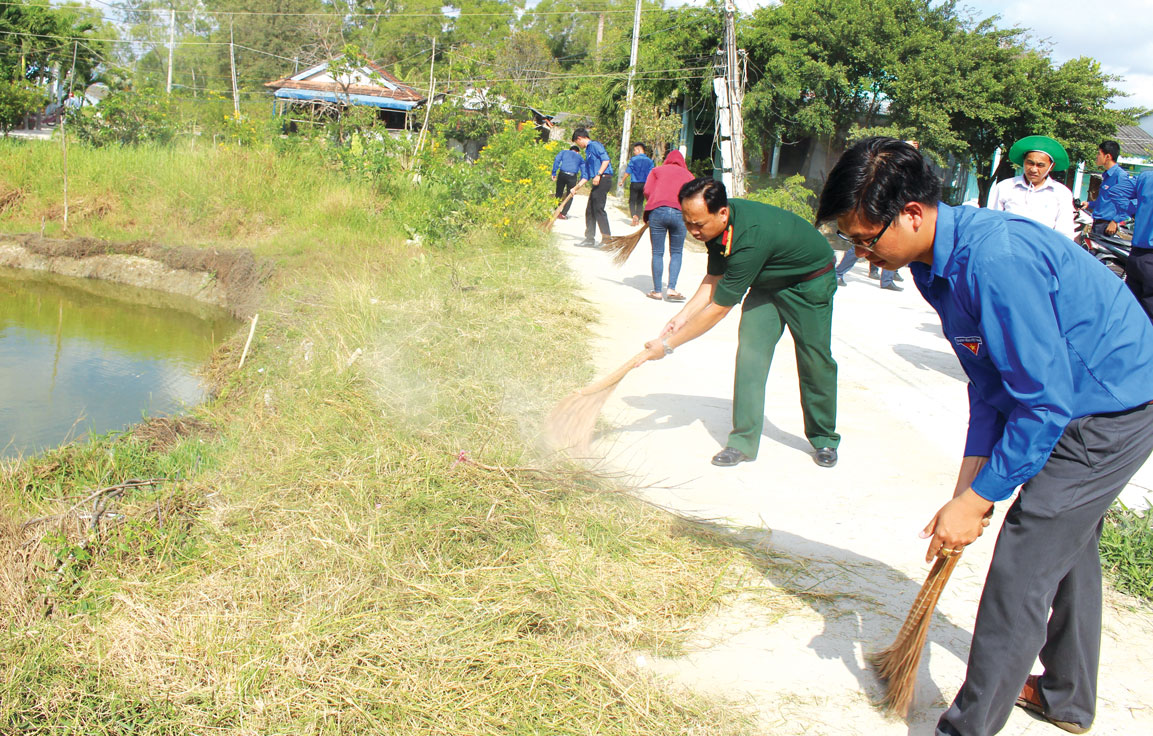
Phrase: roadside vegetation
{"type": "Point", "coordinates": [360, 533]}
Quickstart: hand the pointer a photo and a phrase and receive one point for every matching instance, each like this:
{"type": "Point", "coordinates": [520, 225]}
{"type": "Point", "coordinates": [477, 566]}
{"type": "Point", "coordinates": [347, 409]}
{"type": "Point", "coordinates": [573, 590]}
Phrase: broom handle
{"type": "Point", "coordinates": [615, 377]}
{"type": "Point", "coordinates": [560, 206]}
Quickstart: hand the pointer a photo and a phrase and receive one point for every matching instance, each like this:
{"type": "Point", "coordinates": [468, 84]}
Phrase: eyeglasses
{"type": "Point", "coordinates": [869, 245]}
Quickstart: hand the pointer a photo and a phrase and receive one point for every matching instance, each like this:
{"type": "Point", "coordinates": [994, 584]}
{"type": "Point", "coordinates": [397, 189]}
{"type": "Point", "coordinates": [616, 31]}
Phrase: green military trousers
{"type": "Point", "coordinates": [807, 309]}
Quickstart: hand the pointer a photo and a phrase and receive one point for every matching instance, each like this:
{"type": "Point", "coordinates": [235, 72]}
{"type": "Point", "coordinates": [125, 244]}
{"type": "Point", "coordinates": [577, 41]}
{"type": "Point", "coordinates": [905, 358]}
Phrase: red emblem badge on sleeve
{"type": "Point", "coordinates": [972, 344]}
{"type": "Point", "coordinates": [727, 241]}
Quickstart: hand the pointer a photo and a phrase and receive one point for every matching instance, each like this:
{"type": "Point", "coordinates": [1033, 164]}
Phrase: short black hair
{"type": "Point", "coordinates": [642, 146]}
{"type": "Point", "coordinates": [876, 178]}
{"type": "Point", "coordinates": [1110, 148]}
{"type": "Point", "coordinates": [575, 148]}
{"type": "Point", "coordinates": [711, 190]}
{"type": "Point", "coordinates": [580, 133]}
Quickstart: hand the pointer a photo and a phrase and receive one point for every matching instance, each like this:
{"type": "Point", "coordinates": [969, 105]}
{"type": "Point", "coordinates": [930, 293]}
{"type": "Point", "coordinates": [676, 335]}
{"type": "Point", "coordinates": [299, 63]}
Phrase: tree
{"type": "Point", "coordinates": [18, 98]}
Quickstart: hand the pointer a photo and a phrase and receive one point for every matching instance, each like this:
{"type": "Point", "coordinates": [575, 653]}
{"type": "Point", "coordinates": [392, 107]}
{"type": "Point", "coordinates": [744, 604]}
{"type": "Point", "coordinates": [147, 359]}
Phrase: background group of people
{"type": "Point", "coordinates": [653, 194]}
{"type": "Point", "coordinates": [1034, 194]}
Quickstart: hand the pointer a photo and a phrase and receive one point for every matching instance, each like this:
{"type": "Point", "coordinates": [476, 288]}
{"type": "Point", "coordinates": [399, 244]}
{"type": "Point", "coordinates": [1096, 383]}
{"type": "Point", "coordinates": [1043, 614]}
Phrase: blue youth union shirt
{"type": "Point", "coordinates": [570, 162]}
{"type": "Point", "coordinates": [639, 168]}
{"type": "Point", "coordinates": [1112, 201]}
{"type": "Point", "coordinates": [1044, 332]}
{"type": "Point", "coordinates": [595, 153]}
{"type": "Point", "coordinates": [1143, 198]}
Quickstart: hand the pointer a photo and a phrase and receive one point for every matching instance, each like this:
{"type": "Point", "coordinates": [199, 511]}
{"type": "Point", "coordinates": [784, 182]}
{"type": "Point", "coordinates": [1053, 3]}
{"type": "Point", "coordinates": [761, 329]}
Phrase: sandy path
{"type": "Point", "coordinates": [852, 529]}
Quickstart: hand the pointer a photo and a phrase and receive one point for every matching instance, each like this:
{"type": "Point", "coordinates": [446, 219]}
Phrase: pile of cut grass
{"type": "Point", "coordinates": [338, 564]}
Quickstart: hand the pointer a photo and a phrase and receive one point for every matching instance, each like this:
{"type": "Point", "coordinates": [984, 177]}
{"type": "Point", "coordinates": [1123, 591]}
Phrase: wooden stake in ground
{"type": "Point", "coordinates": [556, 213]}
{"type": "Point", "coordinates": [570, 424]}
{"type": "Point", "coordinates": [621, 246]}
{"type": "Point", "coordinates": [897, 665]}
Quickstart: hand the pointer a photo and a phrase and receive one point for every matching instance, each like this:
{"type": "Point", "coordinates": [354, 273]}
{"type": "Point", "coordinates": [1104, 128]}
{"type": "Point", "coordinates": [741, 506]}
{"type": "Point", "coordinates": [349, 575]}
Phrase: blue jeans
{"type": "Point", "coordinates": [850, 259]}
{"type": "Point", "coordinates": [666, 220]}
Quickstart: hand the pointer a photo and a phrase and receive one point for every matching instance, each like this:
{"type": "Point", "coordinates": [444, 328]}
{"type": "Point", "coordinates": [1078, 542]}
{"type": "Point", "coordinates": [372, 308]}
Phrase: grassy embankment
{"type": "Point", "coordinates": [317, 560]}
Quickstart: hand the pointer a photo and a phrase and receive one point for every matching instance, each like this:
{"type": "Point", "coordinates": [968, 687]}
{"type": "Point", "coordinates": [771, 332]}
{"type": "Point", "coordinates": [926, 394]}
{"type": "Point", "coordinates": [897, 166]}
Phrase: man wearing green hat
{"type": "Point", "coordinates": [1034, 194]}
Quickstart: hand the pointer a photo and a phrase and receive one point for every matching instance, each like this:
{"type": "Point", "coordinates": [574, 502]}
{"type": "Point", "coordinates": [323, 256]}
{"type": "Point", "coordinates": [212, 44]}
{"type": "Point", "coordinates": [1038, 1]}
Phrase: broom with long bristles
{"type": "Point", "coordinates": [621, 246]}
{"type": "Point", "coordinates": [556, 213]}
{"type": "Point", "coordinates": [897, 665]}
{"type": "Point", "coordinates": [570, 424]}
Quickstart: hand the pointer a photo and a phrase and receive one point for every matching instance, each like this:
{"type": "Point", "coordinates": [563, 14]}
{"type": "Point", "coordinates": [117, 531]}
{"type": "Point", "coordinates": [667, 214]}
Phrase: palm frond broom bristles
{"type": "Point", "coordinates": [897, 665]}
{"type": "Point", "coordinates": [621, 246]}
{"type": "Point", "coordinates": [570, 424]}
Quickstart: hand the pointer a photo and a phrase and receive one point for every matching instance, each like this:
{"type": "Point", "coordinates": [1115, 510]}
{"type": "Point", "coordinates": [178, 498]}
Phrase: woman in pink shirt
{"type": "Point", "coordinates": [663, 214]}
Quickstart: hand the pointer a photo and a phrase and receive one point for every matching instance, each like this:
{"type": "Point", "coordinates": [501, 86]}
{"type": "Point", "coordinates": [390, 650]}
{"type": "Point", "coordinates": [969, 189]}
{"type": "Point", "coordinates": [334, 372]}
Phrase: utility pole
{"type": "Point", "coordinates": [730, 99]}
{"type": "Point", "coordinates": [600, 37]}
{"type": "Point", "coordinates": [171, 48]}
{"type": "Point", "coordinates": [627, 129]}
{"type": "Point", "coordinates": [232, 67]}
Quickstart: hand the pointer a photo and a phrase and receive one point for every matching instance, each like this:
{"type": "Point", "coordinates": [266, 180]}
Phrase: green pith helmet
{"type": "Point", "coordinates": [1045, 145]}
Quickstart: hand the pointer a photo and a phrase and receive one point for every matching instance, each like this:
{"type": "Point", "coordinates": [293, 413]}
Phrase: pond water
{"type": "Point", "coordinates": [80, 356]}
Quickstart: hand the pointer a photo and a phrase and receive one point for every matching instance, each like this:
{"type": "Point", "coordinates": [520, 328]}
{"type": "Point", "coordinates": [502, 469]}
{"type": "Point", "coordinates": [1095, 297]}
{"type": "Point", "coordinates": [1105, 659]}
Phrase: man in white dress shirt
{"type": "Point", "coordinates": [1034, 194]}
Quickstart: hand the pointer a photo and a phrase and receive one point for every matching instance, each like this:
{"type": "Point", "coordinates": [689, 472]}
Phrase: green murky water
{"type": "Point", "coordinates": [80, 356]}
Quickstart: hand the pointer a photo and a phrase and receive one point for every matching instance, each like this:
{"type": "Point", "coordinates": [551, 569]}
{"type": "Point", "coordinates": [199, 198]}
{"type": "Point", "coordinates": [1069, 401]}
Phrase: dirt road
{"type": "Point", "coordinates": [847, 536]}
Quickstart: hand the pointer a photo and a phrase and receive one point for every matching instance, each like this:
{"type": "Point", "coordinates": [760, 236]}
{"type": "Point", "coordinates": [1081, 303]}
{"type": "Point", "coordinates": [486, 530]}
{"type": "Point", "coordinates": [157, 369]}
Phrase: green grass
{"type": "Point", "coordinates": [1127, 550]}
{"type": "Point", "coordinates": [326, 564]}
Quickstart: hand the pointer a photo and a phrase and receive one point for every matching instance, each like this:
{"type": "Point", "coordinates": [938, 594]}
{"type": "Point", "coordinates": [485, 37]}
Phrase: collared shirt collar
{"type": "Point", "coordinates": [1021, 181]}
{"type": "Point", "coordinates": [944, 240]}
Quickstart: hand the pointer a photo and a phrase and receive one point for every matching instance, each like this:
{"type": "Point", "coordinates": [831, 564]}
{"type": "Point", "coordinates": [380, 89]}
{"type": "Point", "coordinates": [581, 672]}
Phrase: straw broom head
{"type": "Point", "coordinates": [897, 665]}
{"type": "Point", "coordinates": [621, 246]}
{"type": "Point", "coordinates": [571, 423]}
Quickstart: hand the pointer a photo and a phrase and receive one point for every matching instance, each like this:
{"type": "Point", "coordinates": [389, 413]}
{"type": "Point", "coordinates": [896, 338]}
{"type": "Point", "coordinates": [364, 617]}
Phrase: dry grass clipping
{"type": "Point", "coordinates": [10, 198]}
{"type": "Point", "coordinates": [160, 433]}
{"type": "Point", "coordinates": [897, 665]}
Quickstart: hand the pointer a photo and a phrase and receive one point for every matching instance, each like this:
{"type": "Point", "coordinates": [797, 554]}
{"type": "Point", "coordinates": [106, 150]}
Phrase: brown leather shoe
{"type": "Point", "coordinates": [1030, 699]}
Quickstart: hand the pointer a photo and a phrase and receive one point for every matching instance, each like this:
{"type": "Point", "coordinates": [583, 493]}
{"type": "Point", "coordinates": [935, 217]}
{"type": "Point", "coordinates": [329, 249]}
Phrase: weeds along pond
{"type": "Point", "coordinates": [80, 356]}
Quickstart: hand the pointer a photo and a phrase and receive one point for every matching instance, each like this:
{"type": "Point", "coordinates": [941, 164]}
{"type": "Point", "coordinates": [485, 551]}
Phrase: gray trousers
{"type": "Point", "coordinates": [1043, 592]}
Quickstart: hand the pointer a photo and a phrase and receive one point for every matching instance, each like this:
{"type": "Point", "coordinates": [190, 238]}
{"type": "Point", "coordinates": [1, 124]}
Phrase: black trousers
{"type": "Point", "coordinates": [564, 184]}
{"type": "Point", "coordinates": [595, 211]}
{"type": "Point", "coordinates": [1043, 592]}
{"type": "Point", "coordinates": [637, 199]}
{"type": "Point", "coordinates": [1139, 277]}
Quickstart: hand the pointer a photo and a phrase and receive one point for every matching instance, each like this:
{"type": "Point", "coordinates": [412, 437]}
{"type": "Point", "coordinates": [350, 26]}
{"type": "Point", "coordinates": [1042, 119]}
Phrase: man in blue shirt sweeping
{"type": "Point", "coordinates": [1059, 357]}
{"type": "Point", "coordinates": [598, 171]}
{"type": "Point", "coordinates": [637, 172]}
{"type": "Point", "coordinates": [566, 169]}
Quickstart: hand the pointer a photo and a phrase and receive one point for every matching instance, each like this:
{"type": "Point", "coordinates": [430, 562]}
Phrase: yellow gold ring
{"type": "Point", "coordinates": [946, 552]}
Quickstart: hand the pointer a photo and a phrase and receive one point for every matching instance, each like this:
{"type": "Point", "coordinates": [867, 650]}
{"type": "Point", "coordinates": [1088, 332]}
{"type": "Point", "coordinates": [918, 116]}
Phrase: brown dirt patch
{"type": "Point", "coordinates": [162, 432]}
{"type": "Point", "coordinates": [237, 270]}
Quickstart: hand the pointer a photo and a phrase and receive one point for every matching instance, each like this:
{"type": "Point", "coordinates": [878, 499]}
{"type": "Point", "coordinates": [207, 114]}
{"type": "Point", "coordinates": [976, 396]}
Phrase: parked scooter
{"type": "Point", "coordinates": [1111, 250]}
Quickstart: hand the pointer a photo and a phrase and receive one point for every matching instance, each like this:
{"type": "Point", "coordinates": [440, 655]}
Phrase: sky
{"type": "Point", "coordinates": [1118, 33]}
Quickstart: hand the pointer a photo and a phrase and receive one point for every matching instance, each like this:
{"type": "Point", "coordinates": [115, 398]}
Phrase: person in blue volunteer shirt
{"type": "Point", "coordinates": [1139, 269]}
{"type": "Point", "coordinates": [637, 172]}
{"type": "Point", "coordinates": [598, 171]}
{"type": "Point", "coordinates": [1112, 203]}
{"type": "Point", "coordinates": [566, 169]}
{"type": "Point", "coordinates": [1058, 355]}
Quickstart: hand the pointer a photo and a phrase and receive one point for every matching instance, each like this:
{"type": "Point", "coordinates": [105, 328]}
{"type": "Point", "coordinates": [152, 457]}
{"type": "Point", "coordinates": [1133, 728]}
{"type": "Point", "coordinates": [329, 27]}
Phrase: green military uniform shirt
{"type": "Point", "coordinates": [764, 247]}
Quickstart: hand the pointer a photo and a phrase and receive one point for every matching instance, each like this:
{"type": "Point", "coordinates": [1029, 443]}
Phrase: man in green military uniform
{"type": "Point", "coordinates": [786, 269]}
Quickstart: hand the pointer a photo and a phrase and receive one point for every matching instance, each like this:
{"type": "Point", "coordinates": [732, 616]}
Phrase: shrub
{"type": "Point", "coordinates": [789, 194]}
{"type": "Point", "coordinates": [17, 99]}
{"type": "Point", "coordinates": [125, 118]}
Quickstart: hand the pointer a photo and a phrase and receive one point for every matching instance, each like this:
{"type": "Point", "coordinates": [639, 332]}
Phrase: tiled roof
{"type": "Point", "coordinates": [1135, 141]}
{"type": "Point", "coordinates": [402, 91]}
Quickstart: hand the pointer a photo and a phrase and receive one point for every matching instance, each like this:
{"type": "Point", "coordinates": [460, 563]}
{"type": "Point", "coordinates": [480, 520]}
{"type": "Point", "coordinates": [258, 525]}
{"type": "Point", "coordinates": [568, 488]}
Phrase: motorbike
{"type": "Point", "coordinates": [1111, 250]}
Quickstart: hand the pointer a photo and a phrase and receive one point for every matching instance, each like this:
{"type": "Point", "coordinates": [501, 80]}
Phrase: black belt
{"type": "Point", "coordinates": [818, 272]}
